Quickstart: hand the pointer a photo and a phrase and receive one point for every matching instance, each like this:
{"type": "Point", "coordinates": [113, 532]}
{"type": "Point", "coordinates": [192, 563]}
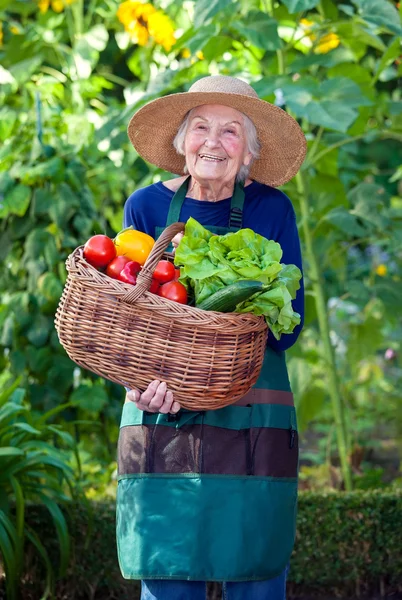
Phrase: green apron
{"type": "Point", "coordinates": [210, 495]}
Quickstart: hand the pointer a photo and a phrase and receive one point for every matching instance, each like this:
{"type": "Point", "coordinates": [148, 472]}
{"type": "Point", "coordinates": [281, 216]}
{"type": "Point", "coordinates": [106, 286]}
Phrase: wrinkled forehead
{"type": "Point", "coordinates": [217, 112]}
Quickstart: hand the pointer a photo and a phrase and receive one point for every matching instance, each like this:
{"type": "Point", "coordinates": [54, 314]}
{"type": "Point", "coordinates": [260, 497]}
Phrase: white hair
{"type": "Point", "coordinates": [250, 132]}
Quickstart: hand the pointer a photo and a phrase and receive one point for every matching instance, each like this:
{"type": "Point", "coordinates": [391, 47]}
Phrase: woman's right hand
{"type": "Point", "coordinates": [156, 398]}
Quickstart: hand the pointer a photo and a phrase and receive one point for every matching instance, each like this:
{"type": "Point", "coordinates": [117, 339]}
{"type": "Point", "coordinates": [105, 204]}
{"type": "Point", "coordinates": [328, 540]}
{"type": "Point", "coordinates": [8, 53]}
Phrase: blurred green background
{"type": "Point", "coordinates": [72, 72]}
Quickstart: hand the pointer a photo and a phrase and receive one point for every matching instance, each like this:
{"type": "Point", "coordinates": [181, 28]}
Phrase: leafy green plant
{"type": "Point", "coordinates": [73, 74]}
{"type": "Point", "coordinates": [32, 470]}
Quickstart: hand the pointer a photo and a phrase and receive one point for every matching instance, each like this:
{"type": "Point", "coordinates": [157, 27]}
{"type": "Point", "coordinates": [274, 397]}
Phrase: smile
{"type": "Point", "coordinates": [212, 158]}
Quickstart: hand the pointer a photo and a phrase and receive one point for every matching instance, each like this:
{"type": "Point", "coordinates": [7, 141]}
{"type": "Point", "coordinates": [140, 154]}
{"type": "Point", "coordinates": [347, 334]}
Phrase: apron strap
{"type": "Point", "coordinates": [236, 205]}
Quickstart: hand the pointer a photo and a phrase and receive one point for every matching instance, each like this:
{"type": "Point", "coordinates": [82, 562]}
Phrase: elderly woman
{"type": "Point", "coordinates": [211, 496]}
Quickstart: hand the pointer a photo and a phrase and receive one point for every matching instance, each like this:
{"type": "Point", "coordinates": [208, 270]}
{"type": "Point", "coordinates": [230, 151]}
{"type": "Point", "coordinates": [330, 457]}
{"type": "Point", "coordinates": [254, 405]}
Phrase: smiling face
{"type": "Point", "coordinates": [215, 144]}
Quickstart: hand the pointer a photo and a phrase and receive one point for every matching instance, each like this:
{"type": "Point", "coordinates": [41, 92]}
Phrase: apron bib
{"type": "Point", "coordinates": [210, 495]}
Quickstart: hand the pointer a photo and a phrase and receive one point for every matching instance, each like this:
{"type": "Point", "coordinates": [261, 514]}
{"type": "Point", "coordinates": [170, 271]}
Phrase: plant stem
{"type": "Point", "coordinates": [322, 311]}
{"type": "Point", "coordinates": [322, 314]}
{"type": "Point", "coordinates": [381, 134]}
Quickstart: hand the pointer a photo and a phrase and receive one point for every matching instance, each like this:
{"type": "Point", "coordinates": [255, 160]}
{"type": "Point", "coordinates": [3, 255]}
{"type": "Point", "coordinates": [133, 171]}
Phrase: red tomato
{"type": "Point", "coordinates": [173, 290]}
{"type": "Point", "coordinates": [116, 266]}
{"type": "Point", "coordinates": [129, 273]}
{"type": "Point", "coordinates": [155, 285]}
{"type": "Point", "coordinates": [99, 251]}
{"type": "Point", "coordinates": [164, 271]}
{"type": "Point", "coordinates": [176, 275]}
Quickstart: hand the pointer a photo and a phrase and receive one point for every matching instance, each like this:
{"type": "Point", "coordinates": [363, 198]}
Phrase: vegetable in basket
{"type": "Point", "coordinates": [134, 244]}
{"type": "Point", "coordinates": [210, 263]}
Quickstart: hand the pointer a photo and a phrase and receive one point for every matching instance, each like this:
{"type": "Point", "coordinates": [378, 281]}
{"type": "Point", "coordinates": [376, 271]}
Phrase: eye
{"type": "Point", "coordinates": [232, 131]}
{"type": "Point", "coordinates": [200, 126]}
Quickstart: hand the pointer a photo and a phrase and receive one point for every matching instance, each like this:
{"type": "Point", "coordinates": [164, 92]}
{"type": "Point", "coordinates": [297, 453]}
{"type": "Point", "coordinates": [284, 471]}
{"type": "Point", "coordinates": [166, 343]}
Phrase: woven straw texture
{"type": "Point", "coordinates": [283, 146]}
{"type": "Point", "coordinates": [130, 336]}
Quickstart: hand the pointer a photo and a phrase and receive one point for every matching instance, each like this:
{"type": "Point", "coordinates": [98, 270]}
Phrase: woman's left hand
{"type": "Point", "coordinates": [176, 240]}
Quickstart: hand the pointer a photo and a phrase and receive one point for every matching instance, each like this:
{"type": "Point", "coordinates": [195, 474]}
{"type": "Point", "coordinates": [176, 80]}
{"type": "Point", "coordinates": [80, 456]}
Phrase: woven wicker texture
{"type": "Point", "coordinates": [130, 336]}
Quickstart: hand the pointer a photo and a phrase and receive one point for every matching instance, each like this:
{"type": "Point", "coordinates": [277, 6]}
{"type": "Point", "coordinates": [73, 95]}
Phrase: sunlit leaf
{"type": "Point", "coordinates": [207, 9]}
{"type": "Point", "coordinates": [16, 201]}
{"type": "Point", "coordinates": [381, 13]}
{"type": "Point", "coordinates": [300, 5]}
{"type": "Point", "coordinates": [259, 29]}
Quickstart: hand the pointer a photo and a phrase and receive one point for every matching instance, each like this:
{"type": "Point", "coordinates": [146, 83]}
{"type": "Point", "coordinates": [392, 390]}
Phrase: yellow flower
{"type": "Point", "coordinates": [43, 5]}
{"type": "Point", "coordinates": [186, 53]}
{"type": "Point", "coordinates": [307, 25]}
{"type": "Point", "coordinates": [1, 33]}
{"type": "Point", "coordinates": [328, 42]}
{"type": "Point", "coordinates": [14, 30]}
{"type": "Point", "coordinates": [143, 20]}
{"type": "Point", "coordinates": [58, 6]}
{"type": "Point", "coordinates": [381, 270]}
{"type": "Point", "coordinates": [138, 33]}
{"type": "Point", "coordinates": [200, 55]}
{"type": "Point", "coordinates": [160, 28]}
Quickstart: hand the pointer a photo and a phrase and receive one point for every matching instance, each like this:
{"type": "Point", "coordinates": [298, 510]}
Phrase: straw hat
{"type": "Point", "coordinates": [283, 146]}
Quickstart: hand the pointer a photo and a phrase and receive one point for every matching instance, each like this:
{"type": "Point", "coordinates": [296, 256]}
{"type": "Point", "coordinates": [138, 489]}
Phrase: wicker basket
{"type": "Point", "coordinates": [130, 336]}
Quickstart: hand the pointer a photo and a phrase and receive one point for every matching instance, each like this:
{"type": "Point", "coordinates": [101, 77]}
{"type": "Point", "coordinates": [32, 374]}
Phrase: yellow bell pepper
{"type": "Point", "coordinates": [134, 244]}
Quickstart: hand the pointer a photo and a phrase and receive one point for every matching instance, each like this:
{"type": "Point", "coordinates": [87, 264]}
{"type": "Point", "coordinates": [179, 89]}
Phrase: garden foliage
{"type": "Point", "coordinates": [72, 73]}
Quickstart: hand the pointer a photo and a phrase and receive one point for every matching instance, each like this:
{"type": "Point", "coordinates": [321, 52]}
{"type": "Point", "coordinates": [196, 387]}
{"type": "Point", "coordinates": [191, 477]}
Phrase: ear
{"type": "Point", "coordinates": [247, 159]}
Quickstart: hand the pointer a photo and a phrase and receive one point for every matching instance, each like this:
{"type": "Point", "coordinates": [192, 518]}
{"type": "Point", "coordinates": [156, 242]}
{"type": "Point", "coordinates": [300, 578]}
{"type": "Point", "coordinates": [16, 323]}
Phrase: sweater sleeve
{"type": "Point", "coordinates": [289, 240]}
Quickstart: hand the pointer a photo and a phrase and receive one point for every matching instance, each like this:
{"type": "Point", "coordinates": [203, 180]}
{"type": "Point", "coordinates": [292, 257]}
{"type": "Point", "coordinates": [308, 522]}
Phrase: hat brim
{"type": "Point", "coordinates": [153, 128]}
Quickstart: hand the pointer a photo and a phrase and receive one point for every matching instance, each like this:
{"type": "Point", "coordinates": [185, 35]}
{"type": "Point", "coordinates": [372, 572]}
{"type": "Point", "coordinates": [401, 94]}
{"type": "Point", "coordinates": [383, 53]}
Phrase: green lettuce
{"type": "Point", "coordinates": [209, 262]}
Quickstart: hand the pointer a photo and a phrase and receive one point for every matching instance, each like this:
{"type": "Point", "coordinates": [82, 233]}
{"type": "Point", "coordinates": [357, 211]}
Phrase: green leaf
{"type": "Point", "coordinates": [97, 37]}
{"type": "Point", "coordinates": [10, 451]}
{"type": "Point", "coordinates": [35, 541]}
{"type": "Point", "coordinates": [50, 286]}
{"type": "Point", "coordinates": [205, 10]}
{"type": "Point", "coordinates": [381, 13]}
{"type": "Point", "coordinates": [89, 398]}
{"type": "Point", "coordinates": [27, 428]}
{"type": "Point", "coordinates": [41, 202]}
{"type": "Point", "coordinates": [300, 5]}
{"type": "Point", "coordinates": [357, 38]}
{"type": "Point", "coordinates": [342, 219]}
{"type": "Point", "coordinates": [16, 202]}
{"type": "Point", "coordinates": [39, 331]}
{"type": "Point", "coordinates": [23, 70]}
{"type": "Point", "coordinates": [392, 52]}
{"type": "Point", "coordinates": [85, 58]}
{"type": "Point", "coordinates": [8, 119]}
{"type": "Point", "coordinates": [310, 406]}
{"type": "Point", "coordinates": [343, 90]}
{"type": "Point", "coordinates": [217, 46]}
{"type": "Point", "coordinates": [329, 114]}
{"type": "Point", "coordinates": [39, 359]}
{"type": "Point", "coordinates": [52, 170]}
{"type": "Point", "coordinates": [9, 542]}
{"type": "Point", "coordinates": [300, 375]}
{"type": "Point", "coordinates": [8, 332]}
{"type": "Point", "coordinates": [7, 79]}
{"type": "Point", "coordinates": [61, 530]}
{"type": "Point", "coordinates": [259, 29]}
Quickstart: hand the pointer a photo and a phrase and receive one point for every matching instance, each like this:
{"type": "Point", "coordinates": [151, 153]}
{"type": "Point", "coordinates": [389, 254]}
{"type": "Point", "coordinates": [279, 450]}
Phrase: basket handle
{"type": "Point", "coordinates": [144, 278]}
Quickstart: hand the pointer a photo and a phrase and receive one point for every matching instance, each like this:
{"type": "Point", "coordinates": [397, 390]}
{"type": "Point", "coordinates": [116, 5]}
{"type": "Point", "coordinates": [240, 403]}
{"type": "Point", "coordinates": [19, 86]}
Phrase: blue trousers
{"type": "Point", "coordinates": [167, 589]}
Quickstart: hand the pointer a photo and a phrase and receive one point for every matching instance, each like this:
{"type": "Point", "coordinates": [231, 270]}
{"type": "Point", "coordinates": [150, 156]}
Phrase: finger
{"type": "Point", "coordinates": [175, 407]}
{"type": "Point", "coordinates": [133, 396]}
{"type": "Point", "coordinates": [177, 239]}
{"type": "Point", "coordinates": [150, 392]}
{"type": "Point", "coordinates": [145, 408]}
{"type": "Point", "coordinates": [159, 397]}
{"type": "Point", "coordinates": [167, 404]}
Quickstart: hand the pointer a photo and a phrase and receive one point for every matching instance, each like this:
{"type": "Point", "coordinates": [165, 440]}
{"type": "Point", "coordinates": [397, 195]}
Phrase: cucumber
{"type": "Point", "coordinates": [227, 298]}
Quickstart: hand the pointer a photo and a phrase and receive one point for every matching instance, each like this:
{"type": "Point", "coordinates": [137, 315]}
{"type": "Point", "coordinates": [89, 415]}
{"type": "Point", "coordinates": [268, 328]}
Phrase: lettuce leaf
{"type": "Point", "coordinates": [209, 262]}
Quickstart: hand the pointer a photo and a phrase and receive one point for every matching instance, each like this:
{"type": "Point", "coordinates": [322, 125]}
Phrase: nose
{"type": "Point", "coordinates": [212, 139]}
